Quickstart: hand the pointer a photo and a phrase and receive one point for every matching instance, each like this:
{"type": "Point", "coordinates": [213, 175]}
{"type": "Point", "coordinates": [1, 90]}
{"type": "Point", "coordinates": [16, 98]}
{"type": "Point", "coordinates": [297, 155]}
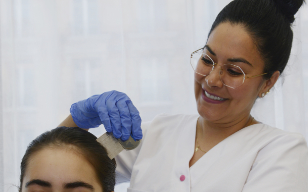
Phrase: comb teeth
{"type": "Point", "coordinates": [111, 144]}
{"type": "Point", "coordinates": [115, 146]}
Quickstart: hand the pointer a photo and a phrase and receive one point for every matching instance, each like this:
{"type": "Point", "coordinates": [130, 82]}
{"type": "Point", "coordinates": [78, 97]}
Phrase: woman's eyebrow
{"type": "Point", "coordinates": [240, 60]}
{"type": "Point", "coordinates": [78, 184]}
{"type": "Point", "coordinates": [38, 182]}
{"type": "Point", "coordinates": [231, 60]}
{"type": "Point", "coordinates": [210, 50]}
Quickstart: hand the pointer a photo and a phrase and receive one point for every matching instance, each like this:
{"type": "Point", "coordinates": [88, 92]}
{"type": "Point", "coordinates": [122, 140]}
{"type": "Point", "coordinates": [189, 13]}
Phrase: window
{"type": "Point", "coordinates": [86, 74]}
{"type": "Point", "coordinates": [22, 17]}
{"type": "Point", "coordinates": [85, 17]}
{"type": "Point", "coordinates": [152, 15]}
{"type": "Point", "coordinates": [154, 79]}
{"type": "Point", "coordinates": [25, 84]}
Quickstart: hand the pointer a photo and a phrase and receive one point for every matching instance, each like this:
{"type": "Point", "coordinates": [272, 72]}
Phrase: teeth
{"type": "Point", "coordinates": [213, 97]}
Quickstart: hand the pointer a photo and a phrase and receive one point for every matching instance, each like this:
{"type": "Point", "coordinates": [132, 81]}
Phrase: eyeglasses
{"type": "Point", "coordinates": [230, 75]}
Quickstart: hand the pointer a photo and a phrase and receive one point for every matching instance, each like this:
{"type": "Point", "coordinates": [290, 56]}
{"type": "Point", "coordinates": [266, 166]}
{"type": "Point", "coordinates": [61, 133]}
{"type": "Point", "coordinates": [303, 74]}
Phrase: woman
{"type": "Point", "coordinates": [223, 148]}
{"type": "Point", "coordinates": [66, 159]}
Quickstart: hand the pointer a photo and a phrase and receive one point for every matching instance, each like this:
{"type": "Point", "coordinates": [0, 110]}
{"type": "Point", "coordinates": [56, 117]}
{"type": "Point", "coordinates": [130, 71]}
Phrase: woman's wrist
{"type": "Point", "coordinates": [68, 122]}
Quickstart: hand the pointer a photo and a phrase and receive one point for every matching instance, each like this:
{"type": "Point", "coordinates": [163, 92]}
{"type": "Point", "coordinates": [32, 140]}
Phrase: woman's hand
{"type": "Point", "coordinates": [114, 110]}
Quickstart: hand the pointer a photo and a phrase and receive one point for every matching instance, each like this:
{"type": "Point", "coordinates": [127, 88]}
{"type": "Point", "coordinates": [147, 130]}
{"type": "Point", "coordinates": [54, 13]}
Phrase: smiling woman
{"type": "Point", "coordinates": [223, 148]}
{"type": "Point", "coordinates": [66, 159]}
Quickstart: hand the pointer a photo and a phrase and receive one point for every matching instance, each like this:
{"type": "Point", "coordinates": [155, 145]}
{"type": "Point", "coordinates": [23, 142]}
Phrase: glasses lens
{"type": "Point", "coordinates": [232, 75]}
{"type": "Point", "coordinates": [201, 63]}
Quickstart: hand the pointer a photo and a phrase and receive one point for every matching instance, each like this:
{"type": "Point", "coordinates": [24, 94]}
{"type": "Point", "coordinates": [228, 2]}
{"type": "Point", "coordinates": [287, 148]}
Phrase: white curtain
{"type": "Point", "coordinates": [56, 52]}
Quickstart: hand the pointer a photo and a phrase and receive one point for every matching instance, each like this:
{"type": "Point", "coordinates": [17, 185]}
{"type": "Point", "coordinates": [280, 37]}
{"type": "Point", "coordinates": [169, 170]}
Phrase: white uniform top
{"type": "Point", "coordinates": [258, 158]}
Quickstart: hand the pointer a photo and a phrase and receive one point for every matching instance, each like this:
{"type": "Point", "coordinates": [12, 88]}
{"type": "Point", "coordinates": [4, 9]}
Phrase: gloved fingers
{"type": "Point", "coordinates": [125, 117]}
{"type": "Point", "coordinates": [136, 121]}
{"type": "Point", "coordinates": [104, 117]}
{"type": "Point", "coordinates": [89, 104]}
{"type": "Point", "coordinates": [84, 114]}
{"type": "Point", "coordinates": [94, 122]}
{"type": "Point", "coordinates": [114, 116]}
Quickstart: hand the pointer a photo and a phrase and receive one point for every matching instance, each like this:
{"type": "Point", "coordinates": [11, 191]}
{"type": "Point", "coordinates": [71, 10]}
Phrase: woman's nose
{"type": "Point", "coordinates": [213, 79]}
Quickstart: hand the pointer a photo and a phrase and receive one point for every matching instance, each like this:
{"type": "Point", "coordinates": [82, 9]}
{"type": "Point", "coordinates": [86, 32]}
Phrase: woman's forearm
{"type": "Point", "coordinates": [69, 122]}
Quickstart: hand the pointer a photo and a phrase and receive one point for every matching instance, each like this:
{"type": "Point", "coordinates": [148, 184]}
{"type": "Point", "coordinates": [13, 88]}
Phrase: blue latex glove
{"type": "Point", "coordinates": [114, 110]}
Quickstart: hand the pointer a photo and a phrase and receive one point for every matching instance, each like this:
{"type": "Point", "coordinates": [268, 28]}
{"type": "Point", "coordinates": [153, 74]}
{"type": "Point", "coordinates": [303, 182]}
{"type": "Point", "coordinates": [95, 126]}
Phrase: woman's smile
{"type": "Point", "coordinates": [215, 100]}
{"type": "Point", "coordinates": [212, 98]}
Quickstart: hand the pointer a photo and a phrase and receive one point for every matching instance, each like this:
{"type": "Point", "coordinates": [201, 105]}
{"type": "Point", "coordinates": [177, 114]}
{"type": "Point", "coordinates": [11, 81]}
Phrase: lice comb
{"type": "Point", "coordinates": [114, 146]}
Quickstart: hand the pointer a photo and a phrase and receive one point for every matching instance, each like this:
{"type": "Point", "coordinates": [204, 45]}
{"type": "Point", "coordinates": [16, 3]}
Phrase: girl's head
{"type": "Point", "coordinates": [65, 159]}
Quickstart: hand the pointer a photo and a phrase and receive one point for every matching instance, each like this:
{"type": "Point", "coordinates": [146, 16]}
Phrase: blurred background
{"type": "Point", "coordinates": [56, 52]}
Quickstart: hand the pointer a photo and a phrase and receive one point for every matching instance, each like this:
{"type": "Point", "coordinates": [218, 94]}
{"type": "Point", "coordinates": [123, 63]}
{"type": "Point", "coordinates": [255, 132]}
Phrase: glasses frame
{"type": "Point", "coordinates": [245, 77]}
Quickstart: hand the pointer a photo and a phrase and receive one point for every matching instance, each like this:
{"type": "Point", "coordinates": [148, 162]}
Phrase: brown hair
{"type": "Point", "coordinates": [84, 142]}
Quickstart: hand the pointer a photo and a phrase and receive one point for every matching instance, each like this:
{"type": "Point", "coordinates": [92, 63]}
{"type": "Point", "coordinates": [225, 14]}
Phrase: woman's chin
{"type": "Point", "coordinates": [209, 114]}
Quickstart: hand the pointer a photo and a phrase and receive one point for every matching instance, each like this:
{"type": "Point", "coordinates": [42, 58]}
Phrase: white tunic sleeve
{"type": "Point", "coordinates": [281, 166]}
{"type": "Point", "coordinates": [126, 159]}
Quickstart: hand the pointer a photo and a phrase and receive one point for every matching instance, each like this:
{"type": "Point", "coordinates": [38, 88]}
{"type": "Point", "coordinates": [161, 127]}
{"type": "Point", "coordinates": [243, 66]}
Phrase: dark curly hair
{"type": "Point", "coordinates": [84, 142]}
